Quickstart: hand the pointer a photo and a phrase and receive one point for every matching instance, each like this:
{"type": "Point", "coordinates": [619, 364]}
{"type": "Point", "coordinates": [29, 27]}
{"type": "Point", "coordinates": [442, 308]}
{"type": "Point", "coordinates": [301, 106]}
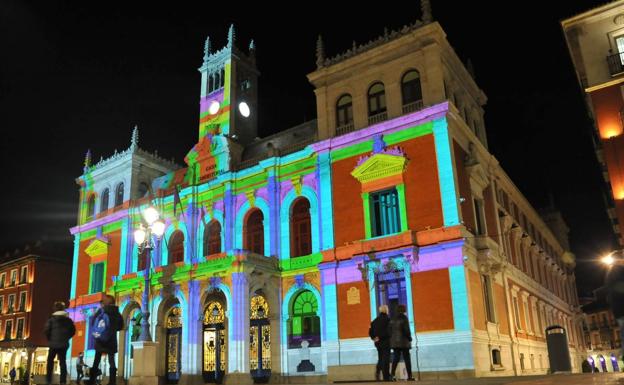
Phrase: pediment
{"type": "Point", "coordinates": [379, 166]}
{"type": "Point", "coordinates": [97, 247]}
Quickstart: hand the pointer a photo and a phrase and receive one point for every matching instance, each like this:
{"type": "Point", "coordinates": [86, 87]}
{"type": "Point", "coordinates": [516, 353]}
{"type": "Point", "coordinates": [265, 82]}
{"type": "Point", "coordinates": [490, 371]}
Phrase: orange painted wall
{"type": "Point", "coordinates": [433, 305]}
{"type": "Point", "coordinates": [354, 320]}
{"type": "Point", "coordinates": [422, 186]}
{"type": "Point", "coordinates": [476, 299]}
{"type": "Point", "coordinates": [501, 308]}
{"type": "Point", "coordinates": [463, 182]}
{"type": "Point", "coordinates": [78, 342]}
{"type": "Point", "coordinates": [422, 191]}
{"type": "Point", "coordinates": [82, 277]}
{"type": "Point", "coordinates": [347, 200]}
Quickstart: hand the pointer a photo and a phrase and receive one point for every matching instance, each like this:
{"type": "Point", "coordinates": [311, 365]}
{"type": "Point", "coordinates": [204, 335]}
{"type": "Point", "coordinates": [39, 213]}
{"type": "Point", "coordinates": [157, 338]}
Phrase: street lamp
{"type": "Point", "coordinates": [151, 226]}
{"type": "Point", "coordinates": [608, 259]}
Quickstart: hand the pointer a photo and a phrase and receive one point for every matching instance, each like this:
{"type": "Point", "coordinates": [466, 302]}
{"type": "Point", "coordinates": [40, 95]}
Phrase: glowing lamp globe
{"type": "Point", "coordinates": [139, 235]}
{"type": "Point", "coordinates": [151, 215]}
{"type": "Point", "coordinates": [158, 228]}
{"type": "Point", "coordinates": [214, 107]}
{"type": "Point", "coordinates": [243, 108]}
{"type": "Point", "coordinates": [608, 260]}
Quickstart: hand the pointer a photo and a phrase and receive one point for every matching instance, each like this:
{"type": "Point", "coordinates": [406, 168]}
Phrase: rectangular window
{"type": "Point", "coordinates": [384, 213]}
{"type": "Point", "coordinates": [527, 320]}
{"type": "Point", "coordinates": [13, 277]}
{"type": "Point", "coordinates": [2, 280]}
{"type": "Point", "coordinates": [97, 277]}
{"type": "Point", "coordinates": [19, 332]}
{"type": "Point", "coordinates": [22, 301]}
{"type": "Point", "coordinates": [516, 313]}
{"type": "Point", "coordinates": [478, 206]}
{"type": "Point", "coordinates": [8, 330]}
{"type": "Point", "coordinates": [1, 304]}
{"type": "Point", "coordinates": [24, 274]}
{"type": "Point", "coordinates": [486, 287]}
{"type": "Point", "coordinates": [11, 304]}
{"type": "Point", "coordinates": [619, 41]}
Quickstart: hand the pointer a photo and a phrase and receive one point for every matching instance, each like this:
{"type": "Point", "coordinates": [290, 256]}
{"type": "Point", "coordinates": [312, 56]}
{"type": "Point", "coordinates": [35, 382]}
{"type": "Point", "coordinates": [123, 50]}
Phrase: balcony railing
{"type": "Point", "coordinates": [345, 129]}
{"type": "Point", "coordinates": [616, 63]}
{"type": "Point", "coordinates": [413, 106]}
{"type": "Point", "coordinates": [378, 117]}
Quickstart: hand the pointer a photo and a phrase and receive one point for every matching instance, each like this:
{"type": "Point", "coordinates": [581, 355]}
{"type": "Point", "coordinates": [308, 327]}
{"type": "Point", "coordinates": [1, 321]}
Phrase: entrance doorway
{"type": "Point", "coordinates": [391, 290]}
{"type": "Point", "coordinates": [214, 343]}
{"type": "Point", "coordinates": [259, 339]}
{"type": "Point", "coordinates": [173, 336]}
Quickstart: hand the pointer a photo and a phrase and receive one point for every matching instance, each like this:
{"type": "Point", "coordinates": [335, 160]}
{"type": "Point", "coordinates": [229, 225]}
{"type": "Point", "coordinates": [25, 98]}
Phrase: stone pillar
{"type": "Point", "coordinates": [238, 352]}
{"type": "Point", "coordinates": [144, 368]}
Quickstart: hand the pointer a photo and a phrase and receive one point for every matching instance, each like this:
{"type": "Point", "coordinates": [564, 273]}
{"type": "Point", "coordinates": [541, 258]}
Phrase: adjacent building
{"type": "Point", "coordinates": [30, 282]}
{"type": "Point", "coordinates": [602, 336]}
{"type": "Point", "coordinates": [595, 41]}
{"type": "Point", "coordinates": [277, 252]}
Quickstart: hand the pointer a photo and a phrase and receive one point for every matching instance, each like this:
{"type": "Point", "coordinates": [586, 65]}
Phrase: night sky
{"type": "Point", "coordinates": [77, 76]}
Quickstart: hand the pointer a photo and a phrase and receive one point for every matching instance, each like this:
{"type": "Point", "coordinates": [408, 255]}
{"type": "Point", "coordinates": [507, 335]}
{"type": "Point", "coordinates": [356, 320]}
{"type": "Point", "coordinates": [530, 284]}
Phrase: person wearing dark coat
{"type": "Point", "coordinates": [380, 333]}
{"type": "Point", "coordinates": [59, 329]}
{"type": "Point", "coordinates": [401, 341]}
{"type": "Point", "coordinates": [108, 347]}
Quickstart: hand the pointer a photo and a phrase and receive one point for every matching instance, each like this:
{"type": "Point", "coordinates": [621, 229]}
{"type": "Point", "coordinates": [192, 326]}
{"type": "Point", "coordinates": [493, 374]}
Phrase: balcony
{"type": "Point", "coordinates": [413, 107]}
{"type": "Point", "coordinates": [616, 63]}
{"type": "Point", "coordinates": [345, 129]}
{"type": "Point", "coordinates": [373, 119]}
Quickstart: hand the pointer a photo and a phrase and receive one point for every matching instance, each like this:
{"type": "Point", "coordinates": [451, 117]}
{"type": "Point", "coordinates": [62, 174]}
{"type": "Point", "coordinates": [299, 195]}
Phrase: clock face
{"type": "Point", "coordinates": [244, 110]}
{"type": "Point", "coordinates": [214, 107]}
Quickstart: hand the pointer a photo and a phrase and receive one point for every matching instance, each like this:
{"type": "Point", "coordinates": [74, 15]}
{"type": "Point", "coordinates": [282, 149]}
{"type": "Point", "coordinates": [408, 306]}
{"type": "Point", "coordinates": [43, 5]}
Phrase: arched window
{"type": "Point", "coordinates": [254, 232]}
{"type": "Point", "coordinates": [376, 99]}
{"type": "Point", "coordinates": [119, 194]}
{"type": "Point", "coordinates": [212, 238]}
{"type": "Point", "coordinates": [143, 189]}
{"type": "Point", "coordinates": [411, 91]}
{"type": "Point", "coordinates": [344, 111]}
{"type": "Point", "coordinates": [304, 324]}
{"type": "Point", "coordinates": [90, 207]}
{"type": "Point", "coordinates": [300, 229]}
{"type": "Point", "coordinates": [176, 247]}
{"type": "Point", "coordinates": [104, 200]}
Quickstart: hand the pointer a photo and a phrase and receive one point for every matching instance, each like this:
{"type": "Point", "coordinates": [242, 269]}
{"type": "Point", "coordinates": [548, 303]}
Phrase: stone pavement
{"type": "Point", "coordinates": [557, 379]}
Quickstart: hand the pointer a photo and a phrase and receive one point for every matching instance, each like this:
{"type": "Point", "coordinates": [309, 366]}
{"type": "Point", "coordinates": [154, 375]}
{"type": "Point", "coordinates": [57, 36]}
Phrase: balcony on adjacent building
{"type": "Point", "coordinates": [345, 129]}
{"type": "Point", "coordinates": [413, 107]}
{"type": "Point", "coordinates": [373, 119]}
{"type": "Point", "coordinates": [616, 63]}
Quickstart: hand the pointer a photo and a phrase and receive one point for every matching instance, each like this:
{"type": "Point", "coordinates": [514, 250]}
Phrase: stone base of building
{"type": "Point", "coordinates": [367, 373]}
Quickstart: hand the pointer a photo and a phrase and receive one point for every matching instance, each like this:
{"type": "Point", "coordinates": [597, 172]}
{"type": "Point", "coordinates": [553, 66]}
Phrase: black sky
{"type": "Point", "coordinates": [80, 75]}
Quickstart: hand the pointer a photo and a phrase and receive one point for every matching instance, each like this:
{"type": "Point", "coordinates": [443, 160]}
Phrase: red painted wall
{"type": "Point", "coordinates": [354, 319]}
{"type": "Point", "coordinates": [433, 305]}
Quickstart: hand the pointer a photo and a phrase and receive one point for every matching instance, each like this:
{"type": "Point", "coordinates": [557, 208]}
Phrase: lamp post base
{"type": "Point", "coordinates": [144, 364]}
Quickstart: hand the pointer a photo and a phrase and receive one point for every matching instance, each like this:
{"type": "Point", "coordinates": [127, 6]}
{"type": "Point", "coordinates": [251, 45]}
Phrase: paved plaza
{"type": "Point", "coordinates": [561, 379]}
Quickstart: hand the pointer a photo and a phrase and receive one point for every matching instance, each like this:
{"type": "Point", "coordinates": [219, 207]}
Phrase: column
{"type": "Point", "coordinates": [238, 352]}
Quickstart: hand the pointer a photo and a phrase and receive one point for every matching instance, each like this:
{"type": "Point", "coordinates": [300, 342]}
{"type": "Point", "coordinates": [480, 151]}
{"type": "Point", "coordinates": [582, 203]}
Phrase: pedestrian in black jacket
{"type": "Point", "coordinates": [401, 341]}
{"type": "Point", "coordinates": [380, 333]}
{"type": "Point", "coordinates": [109, 346]}
{"type": "Point", "coordinates": [59, 329]}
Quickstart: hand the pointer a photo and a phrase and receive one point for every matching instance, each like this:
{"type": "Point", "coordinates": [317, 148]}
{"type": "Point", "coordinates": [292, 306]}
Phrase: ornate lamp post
{"type": "Point", "coordinates": [151, 227]}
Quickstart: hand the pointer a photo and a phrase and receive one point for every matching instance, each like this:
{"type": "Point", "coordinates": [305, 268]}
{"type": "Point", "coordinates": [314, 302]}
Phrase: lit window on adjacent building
{"type": "Point", "coordinates": [384, 212]}
{"type": "Point", "coordinates": [8, 330]}
{"type": "Point", "coordinates": [24, 274]}
{"type": "Point", "coordinates": [19, 331]}
{"type": "Point", "coordinates": [22, 302]}
{"type": "Point", "coordinates": [13, 277]}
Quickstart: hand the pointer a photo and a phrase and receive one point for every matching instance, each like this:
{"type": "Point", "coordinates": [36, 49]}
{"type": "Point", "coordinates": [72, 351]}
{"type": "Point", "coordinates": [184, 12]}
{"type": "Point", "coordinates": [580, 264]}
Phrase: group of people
{"type": "Point", "coordinates": [105, 324]}
{"type": "Point", "coordinates": [392, 334]}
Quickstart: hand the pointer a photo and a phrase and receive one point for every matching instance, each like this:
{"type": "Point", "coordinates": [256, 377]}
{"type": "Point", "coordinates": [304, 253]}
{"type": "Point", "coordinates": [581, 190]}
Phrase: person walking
{"type": "Point", "coordinates": [12, 375]}
{"type": "Point", "coordinates": [107, 321]}
{"type": "Point", "coordinates": [380, 333]}
{"type": "Point", "coordinates": [401, 341]}
{"type": "Point", "coordinates": [59, 329]}
{"type": "Point", "coordinates": [80, 367]}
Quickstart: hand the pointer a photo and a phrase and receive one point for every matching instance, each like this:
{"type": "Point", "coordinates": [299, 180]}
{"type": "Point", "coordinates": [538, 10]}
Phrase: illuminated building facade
{"type": "Point", "coordinates": [602, 336]}
{"type": "Point", "coordinates": [30, 283]}
{"type": "Point", "coordinates": [595, 42]}
{"type": "Point", "coordinates": [278, 251]}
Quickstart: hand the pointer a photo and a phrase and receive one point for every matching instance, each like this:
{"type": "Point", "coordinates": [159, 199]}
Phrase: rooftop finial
{"type": "Point", "coordinates": [206, 49]}
{"type": "Point", "coordinates": [425, 7]}
{"type": "Point", "coordinates": [231, 36]}
{"type": "Point", "coordinates": [87, 161]}
{"type": "Point", "coordinates": [134, 142]}
{"type": "Point", "coordinates": [320, 52]}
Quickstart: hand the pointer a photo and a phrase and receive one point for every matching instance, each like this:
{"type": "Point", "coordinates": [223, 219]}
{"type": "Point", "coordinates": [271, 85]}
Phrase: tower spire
{"type": "Point", "coordinates": [320, 52]}
{"type": "Point", "coordinates": [206, 50]}
{"type": "Point", "coordinates": [134, 141]}
{"type": "Point", "coordinates": [231, 36]}
{"type": "Point", "coordinates": [425, 7]}
{"type": "Point", "coordinates": [87, 161]}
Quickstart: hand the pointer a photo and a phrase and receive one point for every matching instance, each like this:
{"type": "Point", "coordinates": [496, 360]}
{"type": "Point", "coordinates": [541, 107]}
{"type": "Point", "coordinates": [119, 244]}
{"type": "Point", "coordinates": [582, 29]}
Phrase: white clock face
{"type": "Point", "coordinates": [244, 110]}
{"type": "Point", "coordinates": [214, 107]}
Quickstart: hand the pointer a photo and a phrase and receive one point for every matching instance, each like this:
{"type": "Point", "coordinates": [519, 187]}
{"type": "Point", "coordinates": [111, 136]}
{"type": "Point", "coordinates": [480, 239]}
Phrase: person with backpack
{"type": "Point", "coordinates": [59, 329]}
{"type": "Point", "coordinates": [107, 321]}
{"type": "Point", "coordinates": [379, 332]}
{"type": "Point", "coordinates": [12, 375]}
